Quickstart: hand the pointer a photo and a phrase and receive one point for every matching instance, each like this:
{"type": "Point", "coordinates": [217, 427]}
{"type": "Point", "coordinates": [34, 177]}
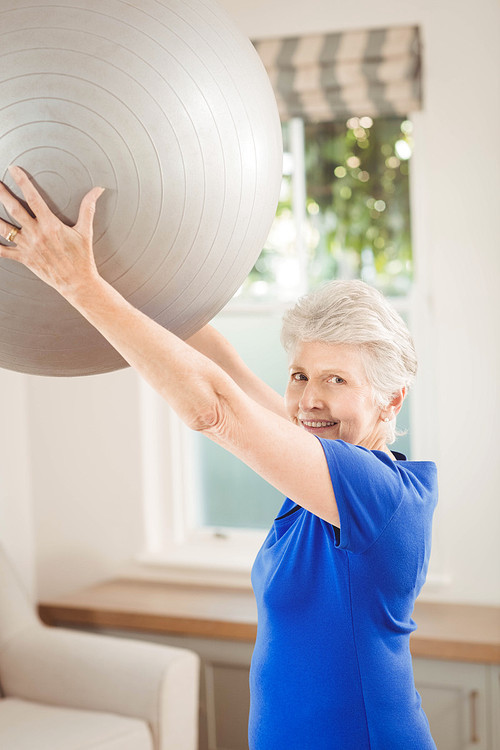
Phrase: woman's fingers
{"type": "Point", "coordinates": [14, 207]}
{"type": "Point", "coordinates": [11, 234]}
{"type": "Point", "coordinates": [8, 231]}
{"type": "Point", "coordinates": [32, 196]}
{"type": "Point", "coordinates": [60, 255]}
{"type": "Point", "coordinates": [85, 222]}
{"type": "Point", "coordinates": [42, 212]}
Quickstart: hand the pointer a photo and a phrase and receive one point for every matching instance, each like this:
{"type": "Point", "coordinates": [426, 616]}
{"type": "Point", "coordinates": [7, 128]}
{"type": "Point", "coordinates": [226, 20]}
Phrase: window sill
{"type": "Point", "coordinates": [453, 632]}
{"type": "Point", "coordinates": [192, 570]}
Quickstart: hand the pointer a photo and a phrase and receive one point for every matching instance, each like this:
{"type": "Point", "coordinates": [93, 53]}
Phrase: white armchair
{"type": "Point", "coordinates": [66, 690]}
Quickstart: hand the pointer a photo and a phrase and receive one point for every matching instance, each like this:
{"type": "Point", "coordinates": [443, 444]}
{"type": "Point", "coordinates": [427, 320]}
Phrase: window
{"type": "Point", "coordinates": [343, 213]}
{"type": "Point", "coordinates": [344, 209]}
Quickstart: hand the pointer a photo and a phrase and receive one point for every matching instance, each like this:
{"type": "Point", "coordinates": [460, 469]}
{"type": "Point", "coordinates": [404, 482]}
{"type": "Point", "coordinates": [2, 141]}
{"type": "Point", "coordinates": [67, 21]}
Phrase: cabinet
{"type": "Point", "coordinates": [457, 699]}
{"type": "Point", "coordinates": [461, 700]}
{"type": "Point", "coordinates": [494, 706]}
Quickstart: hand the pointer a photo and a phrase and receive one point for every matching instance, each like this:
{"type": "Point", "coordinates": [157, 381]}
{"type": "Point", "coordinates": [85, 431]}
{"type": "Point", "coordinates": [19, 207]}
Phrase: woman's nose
{"type": "Point", "coordinates": [311, 397]}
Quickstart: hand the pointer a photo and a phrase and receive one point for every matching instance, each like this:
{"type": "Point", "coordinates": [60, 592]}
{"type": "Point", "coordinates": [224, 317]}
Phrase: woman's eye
{"type": "Point", "coordinates": [298, 376]}
{"type": "Point", "coordinates": [336, 379]}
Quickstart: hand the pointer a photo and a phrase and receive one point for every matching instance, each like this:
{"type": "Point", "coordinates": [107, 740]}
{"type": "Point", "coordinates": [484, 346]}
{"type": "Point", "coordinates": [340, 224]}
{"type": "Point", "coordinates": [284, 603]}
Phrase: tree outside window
{"type": "Point", "coordinates": [344, 212]}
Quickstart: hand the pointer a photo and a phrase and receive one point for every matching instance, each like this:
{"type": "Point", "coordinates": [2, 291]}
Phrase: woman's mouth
{"type": "Point", "coordinates": [310, 424]}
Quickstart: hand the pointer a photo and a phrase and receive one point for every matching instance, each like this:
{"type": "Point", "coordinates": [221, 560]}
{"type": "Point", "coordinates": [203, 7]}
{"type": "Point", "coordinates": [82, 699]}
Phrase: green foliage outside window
{"type": "Point", "coordinates": [357, 219]}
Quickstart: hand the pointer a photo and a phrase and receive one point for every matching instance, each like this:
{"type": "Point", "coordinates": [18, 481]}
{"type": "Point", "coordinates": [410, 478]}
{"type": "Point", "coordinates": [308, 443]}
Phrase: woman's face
{"type": "Point", "coordinates": [328, 394]}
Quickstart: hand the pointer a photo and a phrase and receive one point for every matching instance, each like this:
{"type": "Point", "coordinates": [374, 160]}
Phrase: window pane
{"type": "Point", "coordinates": [357, 210]}
{"type": "Point", "coordinates": [357, 225]}
{"type": "Point", "coordinates": [231, 494]}
{"type": "Point", "coordinates": [274, 274]}
{"type": "Point", "coordinates": [358, 202]}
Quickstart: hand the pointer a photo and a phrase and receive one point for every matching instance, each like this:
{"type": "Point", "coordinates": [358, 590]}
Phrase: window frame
{"type": "Point", "coordinates": [175, 548]}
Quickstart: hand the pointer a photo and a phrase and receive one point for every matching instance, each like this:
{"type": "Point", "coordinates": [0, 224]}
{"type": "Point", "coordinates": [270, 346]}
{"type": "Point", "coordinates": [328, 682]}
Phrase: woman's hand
{"type": "Point", "coordinates": [60, 255]}
{"type": "Point", "coordinates": [204, 396]}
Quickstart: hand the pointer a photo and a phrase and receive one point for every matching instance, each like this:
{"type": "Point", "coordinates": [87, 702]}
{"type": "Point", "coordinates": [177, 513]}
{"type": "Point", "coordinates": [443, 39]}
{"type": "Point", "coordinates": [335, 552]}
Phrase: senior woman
{"type": "Point", "coordinates": [338, 574]}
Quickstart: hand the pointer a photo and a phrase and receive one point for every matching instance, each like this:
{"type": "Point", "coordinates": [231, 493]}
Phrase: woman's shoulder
{"type": "Point", "coordinates": [373, 488]}
{"type": "Point", "coordinates": [362, 465]}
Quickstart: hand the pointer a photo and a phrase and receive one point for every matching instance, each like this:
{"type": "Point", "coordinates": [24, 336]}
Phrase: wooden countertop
{"type": "Point", "coordinates": [445, 631]}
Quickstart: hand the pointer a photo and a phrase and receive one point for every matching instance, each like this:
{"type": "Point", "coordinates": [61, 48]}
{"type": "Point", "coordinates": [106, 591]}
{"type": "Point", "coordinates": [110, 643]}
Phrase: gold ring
{"type": "Point", "coordinates": [12, 234]}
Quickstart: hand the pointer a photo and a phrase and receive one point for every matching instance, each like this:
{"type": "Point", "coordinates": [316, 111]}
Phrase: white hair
{"type": "Point", "coordinates": [353, 312]}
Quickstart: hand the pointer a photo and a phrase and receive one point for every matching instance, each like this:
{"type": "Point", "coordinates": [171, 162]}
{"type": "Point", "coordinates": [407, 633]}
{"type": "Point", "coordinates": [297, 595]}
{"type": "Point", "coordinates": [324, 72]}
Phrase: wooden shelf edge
{"type": "Point", "coordinates": [478, 653]}
{"type": "Point", "coordinates": [202, 628]}
{"type": "Point", "coordinates": [451, 632]}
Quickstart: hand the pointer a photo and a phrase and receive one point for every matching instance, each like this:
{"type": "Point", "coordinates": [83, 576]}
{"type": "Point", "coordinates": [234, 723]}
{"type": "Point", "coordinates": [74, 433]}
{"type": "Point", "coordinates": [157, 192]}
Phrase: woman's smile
{"type": "Point", "coordinates": [312, 425]}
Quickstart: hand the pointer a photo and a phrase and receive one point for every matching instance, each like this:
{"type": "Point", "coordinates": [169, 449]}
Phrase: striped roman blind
{"type": "Point", "coordinates": [331, 76]}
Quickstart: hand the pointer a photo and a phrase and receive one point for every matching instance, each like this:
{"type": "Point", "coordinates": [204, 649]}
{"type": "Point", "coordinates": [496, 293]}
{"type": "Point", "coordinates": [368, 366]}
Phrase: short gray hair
{"type": "Point", "coordinates": [353, 312]}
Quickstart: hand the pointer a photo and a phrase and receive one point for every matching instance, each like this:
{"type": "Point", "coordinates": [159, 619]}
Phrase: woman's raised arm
{"type": "Point", "coordinates": [206, 398]}
{"type": "Point", "coordinates": [214, 345]}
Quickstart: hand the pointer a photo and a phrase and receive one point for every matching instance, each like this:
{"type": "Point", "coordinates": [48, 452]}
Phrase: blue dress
{"type": "Point", "coordinates": [332, 669]}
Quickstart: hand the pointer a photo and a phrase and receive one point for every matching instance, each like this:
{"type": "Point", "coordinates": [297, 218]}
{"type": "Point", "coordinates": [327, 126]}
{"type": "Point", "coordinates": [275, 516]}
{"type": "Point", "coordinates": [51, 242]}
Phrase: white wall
{"type": "Point", "coordinates": [456, 194]}
{"type": "Point", "coordinates": [80, 436]}
{"type": "Point", "coordinates": [86, 477]}
{"type": "Point", "coordinates": [16, 510]}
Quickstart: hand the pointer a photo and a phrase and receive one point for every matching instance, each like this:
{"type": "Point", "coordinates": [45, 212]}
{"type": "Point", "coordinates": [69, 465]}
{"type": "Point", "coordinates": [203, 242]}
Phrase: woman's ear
{"type": "Point", "coordinates": [393, 407]}
{"type": "Point", "coordinates": [397, 401]}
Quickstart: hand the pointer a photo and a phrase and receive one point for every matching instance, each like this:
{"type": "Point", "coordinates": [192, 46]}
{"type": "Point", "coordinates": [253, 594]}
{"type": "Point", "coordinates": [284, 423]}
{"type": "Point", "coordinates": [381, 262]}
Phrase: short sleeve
{"type": "Point", "coordinates": [369, 487]}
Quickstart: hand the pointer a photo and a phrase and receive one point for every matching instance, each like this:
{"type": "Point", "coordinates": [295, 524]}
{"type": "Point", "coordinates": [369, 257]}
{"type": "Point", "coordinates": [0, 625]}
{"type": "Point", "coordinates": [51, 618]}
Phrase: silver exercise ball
{"type": "Point", "coordinates": [166, 105]}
